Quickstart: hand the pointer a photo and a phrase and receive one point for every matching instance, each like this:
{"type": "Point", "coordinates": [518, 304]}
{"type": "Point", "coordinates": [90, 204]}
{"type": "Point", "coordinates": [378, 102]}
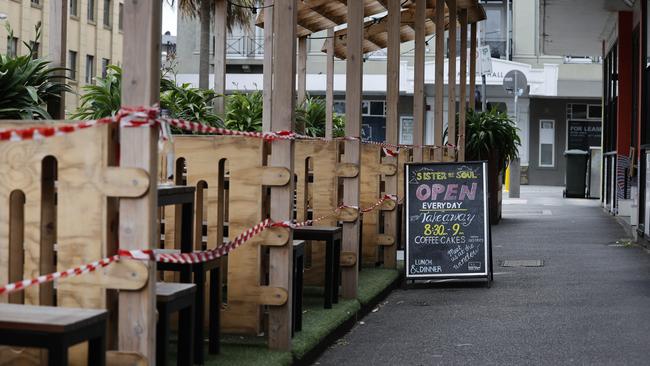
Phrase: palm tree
{"type": "Point", "coordinates": [240, 13]}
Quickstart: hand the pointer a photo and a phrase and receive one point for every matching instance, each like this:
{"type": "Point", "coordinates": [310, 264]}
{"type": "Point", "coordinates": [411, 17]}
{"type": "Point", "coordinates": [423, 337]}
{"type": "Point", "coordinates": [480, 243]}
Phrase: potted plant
{"type": "Point", "coordinates": [28, 83]}
{"type": "Point", "coordinates": [494, 137]}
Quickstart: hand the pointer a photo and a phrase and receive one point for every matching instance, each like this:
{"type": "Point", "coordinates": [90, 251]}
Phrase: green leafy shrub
{"type": "Point", "coordinates": [244, 111]}
{"type": "Point", "coordinates": [27, 84]}
{"type": "Point", "coordinates": [191, 104]}
{"type": "Point", "coordinates": [310, 117]}
{"type": "Point", "coordinates": [182, 101]}
{"type": "Point", "coordinates": [103, 99]}
{"type": "Point", "coordinates": [491, 132]}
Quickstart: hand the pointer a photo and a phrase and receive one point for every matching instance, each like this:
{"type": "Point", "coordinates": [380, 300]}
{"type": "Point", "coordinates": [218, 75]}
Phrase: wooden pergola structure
{"type": "Point", "coordinates": [392, 22]}
{"type": "Point", "coordinates": [291, 19]}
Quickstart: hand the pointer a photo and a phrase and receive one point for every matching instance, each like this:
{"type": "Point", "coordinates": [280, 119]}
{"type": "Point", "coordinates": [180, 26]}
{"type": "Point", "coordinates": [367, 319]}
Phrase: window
{"type": "Point", "coordinates": [120, 18]}
{"type": "Point", "coordinates": [406, 130]}
{"type": "Point", "coordinates": [339, 106]}
{"type": "Point", "coordinates": [105, 63]}
{"type": "Point", "coordinates": [90, 69]}
{"type": "Point", "coordinates": [365, 108]}
{"type": "Point", "coordinates": [595, 111]}
{"type": "Point", "coordinates": [35, 46]}
{"type": "Point", "coordinates": [36, 2]}
{"type": "Point", "coordinates": [547, 143]}
{"type": "Point", "coordinates": [91, 11]}
{"type": "Point", "coordinates": [72, 64]}
{"type": "Point", "coordinates": [377, 108]}
{"type": "Point", "coordinates": [373, 108]}
{"type": "Point", "coordinates": [12, 46]}
{"type": "Point", "coordinates": [74, 8]}
{"type": "Point", "coordinates": [107, 13]}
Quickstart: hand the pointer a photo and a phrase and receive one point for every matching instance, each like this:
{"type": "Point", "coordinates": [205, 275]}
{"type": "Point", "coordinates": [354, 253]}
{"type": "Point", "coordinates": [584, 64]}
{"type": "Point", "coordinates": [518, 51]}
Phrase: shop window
{"type": "Point", "coordinates": [339, 107]}
{"type": "Point", "coordinates": [406, 130]}
{"type": "Point", "coordinates": [594, 111]}
{"type": "Point", "coordinates": [365, 108]}
{"type": "Point", "coordinates": [547, 143]}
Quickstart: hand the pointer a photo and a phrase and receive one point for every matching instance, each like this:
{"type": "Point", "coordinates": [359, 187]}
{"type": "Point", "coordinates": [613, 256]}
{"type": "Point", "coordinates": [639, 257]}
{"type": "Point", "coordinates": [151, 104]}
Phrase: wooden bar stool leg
{"type": "Point", "coordinates": [162, 336]}
{"type": "Point", "coordinates": [97, 351]}
{"type": "Point", "coordinates": [199, 280]}
{"type": "Point", "coordinates": [337, 268]}
{"type": "Point", "coordinates": [57, 354]}
{"type": "Point", "coordinates": [215, 311]}
{"type": "Point", "coordinates": [186, 336]}
{"type": "Point", "coordinates": [329, 274]}
{"type": "Point", "coordinates": [298, 294]}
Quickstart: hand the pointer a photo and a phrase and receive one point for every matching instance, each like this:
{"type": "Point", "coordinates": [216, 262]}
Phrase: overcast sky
{"type": "Point", "coordinates": [169, 18]}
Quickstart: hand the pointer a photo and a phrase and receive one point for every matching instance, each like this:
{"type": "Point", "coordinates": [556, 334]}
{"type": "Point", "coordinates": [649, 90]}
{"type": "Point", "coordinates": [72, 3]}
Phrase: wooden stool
{"type": "Point", "coordinates": [199, 271]}
{"type": "Point", "coordinates": [298, 276]}
{"type": "Point", "coordinates": [55, 329]}
{"type": "Point", "coordinates": [331, 235]}
{"type": "Point", "coordinates": [171, 298]}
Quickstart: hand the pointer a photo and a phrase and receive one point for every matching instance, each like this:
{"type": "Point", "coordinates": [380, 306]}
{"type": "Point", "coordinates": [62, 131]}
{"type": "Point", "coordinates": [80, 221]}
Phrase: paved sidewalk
{"type": "Point", "coordinates": [588, 305]}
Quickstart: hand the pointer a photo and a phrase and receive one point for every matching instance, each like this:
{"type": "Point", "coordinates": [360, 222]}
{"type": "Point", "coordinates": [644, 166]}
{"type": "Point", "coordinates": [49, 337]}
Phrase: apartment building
{"type": "Point", "coordinates": [94, 36]}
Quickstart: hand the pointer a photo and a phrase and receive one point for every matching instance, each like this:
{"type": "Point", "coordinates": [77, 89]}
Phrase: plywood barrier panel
{"type": "Point", "coordinates": [81, 214]}
{"type": "Point", "coordinates": [370, 193]}
{"type": "Point", "coordinates": [320, 196]}
{"type": "Point", "coordinates": [203, 157]}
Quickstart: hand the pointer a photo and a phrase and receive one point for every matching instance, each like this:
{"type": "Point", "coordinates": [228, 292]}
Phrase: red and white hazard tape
{"type": "Point", "coordinates": [388, 197]}
{"type": "Point", "coordinates": [194, 257]}
{"type": "Point", "coordinates": [74, 272]}
{"type": "Point", "coordinates": [141, 116]}
{"type": "Point", "coordinates": [220, 251]}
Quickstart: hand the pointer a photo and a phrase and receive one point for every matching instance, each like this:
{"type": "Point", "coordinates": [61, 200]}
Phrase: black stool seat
{"type": "Point", "coordinates": [332, 236]}
{"type": "Point", "coordinates": [171, 298]}
{"type": "Point", "coordinates": [56, 329]}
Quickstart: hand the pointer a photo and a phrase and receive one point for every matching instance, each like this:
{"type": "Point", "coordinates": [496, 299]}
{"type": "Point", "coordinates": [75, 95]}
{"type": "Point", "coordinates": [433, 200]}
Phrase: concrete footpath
{"type": "Point", "coordinates": [589, 304]}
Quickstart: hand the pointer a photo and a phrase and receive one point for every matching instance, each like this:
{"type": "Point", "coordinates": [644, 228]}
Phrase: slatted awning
{"type": "Point", "coordinates": [319, 15]}
{"type": "Point", "coordinates": [376, 32]}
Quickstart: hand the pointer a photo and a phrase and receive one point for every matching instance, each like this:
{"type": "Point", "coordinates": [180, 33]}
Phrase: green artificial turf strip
{"type": "Point", "coordinates": [318, 323]}
{"type": "Point", "coordinates": [372, 281]}
{"type": "Point", "coordinates": [237, 355]}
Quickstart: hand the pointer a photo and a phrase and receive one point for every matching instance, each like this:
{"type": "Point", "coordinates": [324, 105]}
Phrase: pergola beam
{"type": "Point", "coordinates": [220, 33]}
{"type": "Point", "coordinates": [267, 110]}
{"type": "Point", "coordinates": [351, 185]}
{"type": "Point", "coordinates": [418, 81]}
{"type": "Point", "coordinates": [440, 82]}
{"type": "Point", "coordinates": [392, 120]}
{"type": "Point", "coordinates": [139, 149]}
{"type": "Point", "coordinates": [329, 88]}
{"type": "Point", "coordinates": [451, 77]}
{"type": "Point", "coordinates": [462, 111]}
{"type": "Point", "coordinates": [284, 89]}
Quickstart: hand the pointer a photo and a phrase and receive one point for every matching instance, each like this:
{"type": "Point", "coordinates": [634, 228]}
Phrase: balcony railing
{"type": "Point", "coordinates": [245, 47]}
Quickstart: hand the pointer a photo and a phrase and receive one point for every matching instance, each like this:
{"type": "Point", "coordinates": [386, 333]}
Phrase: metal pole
{"type": "Point", "coordinates": [483, 96]}
{"type": "Point", "coordinates": [483, 77]}
{"type": "Point", "coordinates": [508, 25]}
{"type": "Point", "coordinates": [515, 167]}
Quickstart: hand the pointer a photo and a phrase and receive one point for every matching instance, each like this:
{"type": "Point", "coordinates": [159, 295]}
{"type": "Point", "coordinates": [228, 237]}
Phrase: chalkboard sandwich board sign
{"type": "Point", "coordinates": [447, 221]}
